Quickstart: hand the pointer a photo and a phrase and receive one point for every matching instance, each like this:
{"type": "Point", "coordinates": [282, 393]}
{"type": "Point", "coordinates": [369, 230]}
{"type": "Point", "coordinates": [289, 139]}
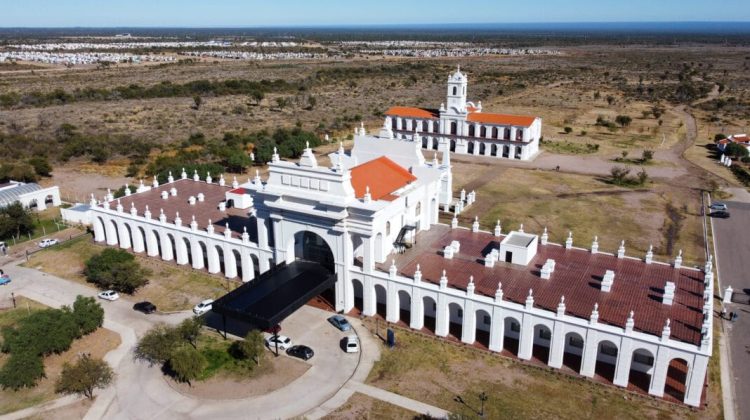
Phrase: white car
{"type": "Point", "coordinates": [284, 342]}
{"type": "Point", "coordinates": [203, 307]}
{"type": "Point", "coordinates": [48, 242]}
{"type": "Point", "coordinates": [351, 344]}
{"type": "Point", "coordinates": [109, 295]}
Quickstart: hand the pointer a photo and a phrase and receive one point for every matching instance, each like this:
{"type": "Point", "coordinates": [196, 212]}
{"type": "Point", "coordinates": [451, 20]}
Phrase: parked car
{"type": "Point", "coordinates": [203, 307]}
{"type": "Point", "coordinates": [4, 279]}
{"type": "Point", "coordinates": [721, 214]}
{"type": "Point", "coordinates": [109, 295]}
{"type": "Point", "coordinates": [351, 344]}
{"type": "Point", "coordinates": [284, 342]}
{"type": "Point", "coordinates": [303, 352]}
{"type": "Point", "coordinates": [718, 206]}
{"type": "Point", "coordinates": [146, 307]}
{"type": "Point", "coordinates": [48, 242]}
{"type": "Point", "coordinates": [340, 322]}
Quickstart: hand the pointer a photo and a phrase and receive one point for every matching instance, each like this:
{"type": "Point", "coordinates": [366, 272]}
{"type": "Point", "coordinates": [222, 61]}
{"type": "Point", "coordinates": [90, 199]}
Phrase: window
{"type": "Point", "coordinates": [454, 90]}
{"type": "Point", "coordinates": [387, 228]}
{"type": "Point", "coordinates": [487, 320]}
{"type": "Point", "coordinates": [460, 313]}
{"type": "Point", "coordinates": [406, 202]}
{"type": "Point", "coordinates": [643, 359]}
{"type": "Point", "coordinates": [418, 210]}
{"type": "Point", "coordinates": [515, 326]}
{"type": "Point", "coordinates": [608, 349]}
{"type": "Point", "coordinates": [545, 334]}
{"type": "Point", "coordinates": [575, 341]}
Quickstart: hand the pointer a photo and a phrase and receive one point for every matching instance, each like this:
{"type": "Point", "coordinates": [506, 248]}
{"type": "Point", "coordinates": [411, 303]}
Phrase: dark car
{"type": "Point", "coordinates": [145, 307]}
{"type": "Point", "coordinates": [720, 214]}
{"type": "Point", "coordinates": [303, 352]}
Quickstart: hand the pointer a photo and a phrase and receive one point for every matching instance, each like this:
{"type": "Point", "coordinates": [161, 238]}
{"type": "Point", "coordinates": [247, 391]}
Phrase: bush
{"type": "Point", "coordinates": [84, 376]}
{"type": "Point", "coordinates": [157, 345]}
{"type": "Point", "coordinates": [190, 329]}
{"type": "Point", "coordinates": [623, 120]}
{"type": "Point", "coordinates": [736, 150]}
{"type": "Point", "coordinates": [15, 220]}
{"type": "Point", "coordinates": [41, 166]}
{"type": "Point", "coordinates": [115, 269]}
{"type": "Point", "coordinates": [252, 346]}
{"type": "Point", "coordinates": [22, 370]}
{"type": "Point", "coordinates": [41, 333]}
{"type": "Point", "coordinates": [186, 363]}
{"type": "Point", "coordinates": [647, 156]}
{"type": "Point", "coordinates": [88, 314]}
{"type": "Point", "coordinates": [568, 130]}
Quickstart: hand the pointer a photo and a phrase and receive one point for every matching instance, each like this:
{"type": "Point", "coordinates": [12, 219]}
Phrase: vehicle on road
{"type": "Point", "coordinates": [4, 279]}
{"type": "Point", "coordinates": [283, 341]}
{"type": "Point", "coordinates": [303, 352]}
{"type": "Point", "coordinates": [351, 344]}
{"type": "Point", "coordinates": [109, 295]}
{"type": "Point", "coordinates": [203, 307]}
{"type": "Point", "coordinates": [720, 214]}
{"type": "Point", "coordinates": [718, 206]}
{"type": "Point", "coordinates": [146, 307]}
{"type": "Point", "coordinates": [340, 322]}
{"type": "Point", "coordinates": [48, 242]}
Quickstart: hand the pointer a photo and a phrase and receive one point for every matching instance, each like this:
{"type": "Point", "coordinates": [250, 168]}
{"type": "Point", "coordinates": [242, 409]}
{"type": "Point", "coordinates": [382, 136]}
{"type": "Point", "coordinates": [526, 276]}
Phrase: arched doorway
{"type": "Point", "coordinates": [358, 290]}
{"type": "Point", "coordinates": [470, 148]}
{"type": "Point", "coordinates": [238, 263]}
{"type": "Point", "coordinates": [404, 307]}
{"type": "Point", "coordinates": [573, 351]}
{"type": "Point", "coordinates": [482, 148]}
{"type": "Point", "coordinates": [188, 250]}
{"type": "Point", "coordinates": [99, 235]}
{"type": "Point", "coordinates": [381, 298]}
{"type": "Point", "coordinates": [173, 247]}
{"type": "Point", "coordinates": [483, 326]}
{"type": "Point", "coordinates": [311, 247]}
{"type": "Point", "coordinates": [455, 320]}
{"type": "Point", "coordinates": [606, 360]}
{"type": "Point", "coordinates": [512, 334]}
{"type": "Point", "coordinates": [429, 307]}
{"type": "Point", "coordinates": [675, 385]}
{"type": "Point", "coordinates": [256, 265]}
{"type": "Point", "coordinates": [641, 370]}
{"type": "Point", "coordinates": [541, 343]}
{"type": "Point", "coordinates": [453, 146]}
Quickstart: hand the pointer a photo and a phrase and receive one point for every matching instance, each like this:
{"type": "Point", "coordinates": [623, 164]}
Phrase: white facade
{"type": "Point", "coordinates": [30, 195]}
{"type": "Point", "coordinates": [360, 229]}
{"type": "Point", "coordinates": [461, 127]}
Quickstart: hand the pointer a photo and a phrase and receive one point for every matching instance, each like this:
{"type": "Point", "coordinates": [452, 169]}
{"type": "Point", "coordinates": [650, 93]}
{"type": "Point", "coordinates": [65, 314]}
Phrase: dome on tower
{"type": "Point", "coordinates": [457, 76]}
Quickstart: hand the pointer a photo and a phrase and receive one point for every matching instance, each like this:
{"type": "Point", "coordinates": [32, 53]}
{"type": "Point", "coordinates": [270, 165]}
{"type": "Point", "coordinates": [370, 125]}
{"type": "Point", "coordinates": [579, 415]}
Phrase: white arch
{"type": "Point", "coordinates": [123, 234]}
{"type": "Point", "coordinates": [137, 238]}
{"type": "Point", "coordinates": [111, 230]}
{"type": "Point", "coordinates": [152, 243]}
{"type": "Point", "coordinates": [214, 265]}
{"type": "Point", "coordinates": [99, 235]}
{"type": "Point", "coordinates": [198, 257]}
{"type": "Point", "coordinates": [230, 263]}
{"type": "Point", "coordinates": [182, 250]}
{"type": "Point", "coordinates": [167, 253]}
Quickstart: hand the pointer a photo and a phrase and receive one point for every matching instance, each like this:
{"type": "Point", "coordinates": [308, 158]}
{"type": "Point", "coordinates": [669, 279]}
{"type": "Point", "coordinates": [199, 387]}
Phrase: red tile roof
{"type": "Point", "coordinates": [412, 112]}
{"type": "Point", "coordinates": [637, 286]}
{"type": "Point", "coordinates": [501, 119]}
{"type": "Point", "coordinates": [382, 175]}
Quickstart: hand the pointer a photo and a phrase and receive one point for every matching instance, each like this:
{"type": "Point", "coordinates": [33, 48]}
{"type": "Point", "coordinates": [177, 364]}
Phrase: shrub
{"type": "Point", "coordinates": [252, 346]}
{"type": "Point", "coordinates": [88, 314]}
{"type": "Point", "coordinates": [115, 269]}
{"type": "Point", "coordinates": [190, 329]}
{"type": "Point", "coordinates": [157, 345]}
{"type": "Point", "coordinates": [15, 220]}
{"type": "Point", "coordinates": [186, 363]}
{"type": "Point", "coordinates": [647, 155]}
{"type": "Point", "coordinates": [41, 166]}
{"type": "Point", "coordinates": [22, 370]}
{"type": "Point", "coordinates": [41, 333]}
{"type": "Point", "coordinates": [568, 130]}
{"type": "Point", "coordinates": [736, 150]}
{"type": "Point", "coordinates": [84, 376]}
{"type": "Point", "coordinates": [623, 120]}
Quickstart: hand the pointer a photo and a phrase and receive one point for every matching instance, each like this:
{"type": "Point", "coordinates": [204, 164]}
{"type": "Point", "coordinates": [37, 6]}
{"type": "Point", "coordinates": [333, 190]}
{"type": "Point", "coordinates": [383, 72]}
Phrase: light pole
{"type": "Point", "coordinates": [482, 398]}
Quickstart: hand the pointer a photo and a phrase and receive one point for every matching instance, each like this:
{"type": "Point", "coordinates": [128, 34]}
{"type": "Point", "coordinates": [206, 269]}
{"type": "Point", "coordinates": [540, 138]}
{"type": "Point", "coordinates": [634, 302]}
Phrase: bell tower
{"type": "Point", "coordinates": [456, 97]}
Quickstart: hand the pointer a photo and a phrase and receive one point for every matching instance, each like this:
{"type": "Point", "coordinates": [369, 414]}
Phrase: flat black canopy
{"type": "Point", "coordinates": [267, 300]}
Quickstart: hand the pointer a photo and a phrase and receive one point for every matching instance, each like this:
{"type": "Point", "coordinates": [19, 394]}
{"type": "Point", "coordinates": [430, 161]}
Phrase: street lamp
{"type": "Point", "coordinates": [482, 398]}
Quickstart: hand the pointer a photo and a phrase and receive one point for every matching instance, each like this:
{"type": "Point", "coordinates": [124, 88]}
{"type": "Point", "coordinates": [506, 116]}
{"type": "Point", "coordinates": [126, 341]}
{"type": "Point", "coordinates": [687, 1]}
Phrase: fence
{"type": "Point", "coordinates": [62, 241]}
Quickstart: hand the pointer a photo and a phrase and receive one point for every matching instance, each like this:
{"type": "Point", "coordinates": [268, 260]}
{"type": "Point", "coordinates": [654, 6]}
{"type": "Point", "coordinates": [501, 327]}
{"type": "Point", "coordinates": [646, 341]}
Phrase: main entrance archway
{"type": "Point", "coordinates": [310, 246]}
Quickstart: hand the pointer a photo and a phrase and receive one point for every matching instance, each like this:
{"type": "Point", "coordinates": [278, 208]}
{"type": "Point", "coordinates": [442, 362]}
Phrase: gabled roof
{"type": "Point", "coordinates": [501, 119]}
{"type": "Point", "coordinates": [382, 175]}
{"type": "Point", "coordinates": [408, 111]}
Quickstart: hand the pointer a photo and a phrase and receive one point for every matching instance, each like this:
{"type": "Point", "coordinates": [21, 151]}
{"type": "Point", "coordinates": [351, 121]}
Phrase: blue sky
{"type": "Point", "coordinates": [102, 13]}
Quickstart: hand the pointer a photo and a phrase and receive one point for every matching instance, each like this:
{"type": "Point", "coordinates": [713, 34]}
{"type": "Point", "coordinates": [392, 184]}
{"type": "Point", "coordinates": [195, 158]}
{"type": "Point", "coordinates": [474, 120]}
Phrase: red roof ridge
{"type": "Point", "coordinates": [382, 176]}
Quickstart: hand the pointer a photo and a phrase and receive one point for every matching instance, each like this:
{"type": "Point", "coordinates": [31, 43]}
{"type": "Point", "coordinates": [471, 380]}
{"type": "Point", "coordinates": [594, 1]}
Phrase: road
{"type": "Point", "coordinates": [732, 237]}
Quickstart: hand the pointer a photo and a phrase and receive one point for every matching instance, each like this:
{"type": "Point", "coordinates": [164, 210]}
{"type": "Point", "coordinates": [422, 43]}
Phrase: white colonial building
{"type": "Point", "coordinates": [462, 127]}
{"type": "Point", "coordinates": [371, 219]}
{"type": "Point", "coordinates": [30, 195]}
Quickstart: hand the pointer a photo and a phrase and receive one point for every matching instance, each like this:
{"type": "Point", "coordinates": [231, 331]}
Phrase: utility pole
{"type": "Point", "coordinates": [482, 398]}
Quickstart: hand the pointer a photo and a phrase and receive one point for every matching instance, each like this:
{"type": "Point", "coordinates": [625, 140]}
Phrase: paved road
{"type": "Point", "coordinates": [732, 238]}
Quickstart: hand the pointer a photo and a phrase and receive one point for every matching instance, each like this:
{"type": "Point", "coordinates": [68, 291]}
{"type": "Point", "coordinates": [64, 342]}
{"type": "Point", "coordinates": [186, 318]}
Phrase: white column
{"type": "Point", "coordinates": [469, 323]}
{"type": "Point", "coordinates": [624, 357]}
{"type": "Point", "coordinates": [166, 247]}
{"type": "Point", "coordinates": [230, 263]}
{"type": "Point", "coordinates": [557, 345]}
{"type": "Point", "coordinates": [264, 263]}
{"type": "Point", "coordinates": [487, 149]}
{"type": "Point", "coordinates": [526, 338]}
{"type": "Point", "coordinates": [369, 307]}
{"type": "Point", "coordinates": [392, 304]}
{"type": "Point", "coordinates": [497, 330]}
{"type": "Point", "coordinates": [590, 349]}
{"type": "Point", "coordinates": [695, 379]}
{"type": "Point", "coordinates": [417, 310]}
{"type": "Point", "coordinates": [138, 243]}
{"type": "Point", "coordinates": [248, 271]}
{"type": "Point", "coordinates": [476, 147]}
{"type": "Point", "coordinates": [429, 141]}
{"type": "Point", "coordinates": [214, 265]}
{"type": "Point", "coordinates": [197, 255]}
{"type": "Point", "coordinates": [262, 232]}
{"type": "Point", "coordinates": [399, 123]}
{"type": "Point", "coordinates": [124, 235]}
{"type": "Point", "coordinates": [111, 232]}
{"type": "Point", "coordinates": [182, 256]}
{"type": "Point", "coordinates": [513, 131]}
{"type": "Point", "coordinates": [99, 235]}
{"type": "Point", "coordinates": [659, 375]}
{"type": "Point", "coordinates": [511, 152]}
{"type": "Point", "coordinates": [368, 254]}
{"type": "Point", "coordinates": [441, 316]}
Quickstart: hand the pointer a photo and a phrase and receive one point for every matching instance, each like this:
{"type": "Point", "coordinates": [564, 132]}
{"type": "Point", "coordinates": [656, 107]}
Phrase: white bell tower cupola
{"type": "Point", "coordinates": [456, 97]}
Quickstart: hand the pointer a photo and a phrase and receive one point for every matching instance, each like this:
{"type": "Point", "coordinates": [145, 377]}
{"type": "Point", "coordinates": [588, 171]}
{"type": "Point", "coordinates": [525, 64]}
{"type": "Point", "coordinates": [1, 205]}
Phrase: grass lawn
{"type": "Point", "coordinates": [218, 354]}
{"type": "Point", "coordinates": [45, 222]}
{"type": "Point", "coordinates": [170, 287]}
{"type": "Point", "coordinates": [435, 372]}
{"type": "Point", "coordinates": [361, 406]}
{"type": "Point", "coordinates": [98, 343]}
{"type": "Point", "coordinates": [587, 206]}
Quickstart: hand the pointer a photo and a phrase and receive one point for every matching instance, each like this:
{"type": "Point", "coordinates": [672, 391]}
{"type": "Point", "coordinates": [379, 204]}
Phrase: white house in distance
{"type": "Point", "coordinates": [371, 219]}
{"type": "Point", "coordinates": [465, 129]}
{"type": "Point", "coordinates": [30, 195]}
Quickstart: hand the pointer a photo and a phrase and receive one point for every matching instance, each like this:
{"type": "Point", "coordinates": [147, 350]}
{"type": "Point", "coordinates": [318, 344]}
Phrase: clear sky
{"type": "Point", "coordinates": [211, 13]}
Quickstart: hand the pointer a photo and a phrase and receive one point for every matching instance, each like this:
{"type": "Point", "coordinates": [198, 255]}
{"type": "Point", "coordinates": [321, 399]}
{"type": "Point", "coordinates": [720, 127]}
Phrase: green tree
{"type": "Point", "coordinates": [568, 130]}
{"type": "Point", "coordinates": [84, 376]}
{"type": "Point", "coordinates": [197, 102]}
{"type": "Point", "coordinates": [623, 120]}
{"type": "Point", "coordinates": [22, 370]}
{"type": "Point", "coordinates": [15, 220]}
{"type": "Point", "coordinates": [186, 363]}
{"type": "Point", "coordinates": [88, 314]}
{"type": "Point", "coordinates": [115, 269]}
{"type": "Point", "coordinates": [257, 96]}
{"type": "Point", "coordinates": [619, 175]}
{"type": "Point", "coordinates": [647, 156]}
{"type": "Point", "coordinates": [252, 346]}
{"type": "Point", "coordinates": [190, 329]}
{"type": "Point", "coordinates": [736, 150]}
{"type": "Point", "coordinates": [157, 345]}
{"type": "Point", "coordinates": [41, 166]}
{"type": "Point", "coordinates": [282, 103]}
